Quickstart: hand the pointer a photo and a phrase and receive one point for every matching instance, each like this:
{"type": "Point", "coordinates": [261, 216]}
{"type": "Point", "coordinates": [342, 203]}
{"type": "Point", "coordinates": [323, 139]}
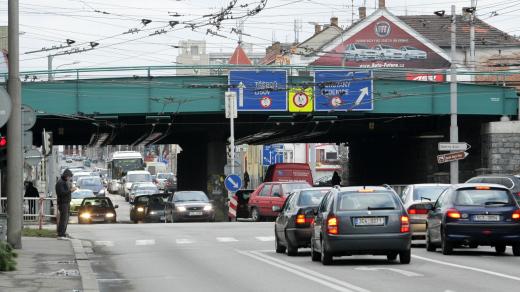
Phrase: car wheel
{"type": "Point", "coordinates": [446, 246]}
{"type": "Point", "coordinates": [315, 256]}
{"type": "Point", "coordinates": [392, 256]}
{"type": "Point", "coordinates": [326, 257]}
{"type": "Point", "coordinates": [516, 250]}
{"type": "Point", "coordinates": [291, 250]}
{"type": "Point", "coordinates": [500, 248]}
{"type": "Point", "coordinates": [279, 248]}
{"type": "Point", "coordinates": [407, 57]}
{"type": "Point", "coordinates": [429, 245]}
{"type": "Point", "coordinates": [255, 215]}
{"type": "Point", "coordinates": [405, 256]}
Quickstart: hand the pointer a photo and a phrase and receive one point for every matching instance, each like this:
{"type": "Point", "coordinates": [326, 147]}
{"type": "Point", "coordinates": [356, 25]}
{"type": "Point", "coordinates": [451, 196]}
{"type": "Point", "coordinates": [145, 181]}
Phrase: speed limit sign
{"type": "Point", "coordinates": [300, 99]}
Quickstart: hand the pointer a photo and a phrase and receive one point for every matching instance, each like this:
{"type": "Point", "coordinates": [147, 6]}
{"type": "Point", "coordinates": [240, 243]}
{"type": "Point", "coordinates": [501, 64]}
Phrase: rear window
{"type": "Point", "coordinates": [311, 198]}
{"type": "Point", "coordinates": [428, 193]}
{"type": "Point", "coordinates": [504, 181]}
{"type": "Point", "coordinates": [351, 201]}
{"type": "Point", "coordinates": [288, 188]}
{"type": "Point", "coordinates": [473, 197]}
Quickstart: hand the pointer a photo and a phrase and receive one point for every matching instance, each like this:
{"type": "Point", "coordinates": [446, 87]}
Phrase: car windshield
{"type": "Point", "coordinates": [289, 188]}
{"type": "Point", "coordinates": [350, 201]}
{"type": "Point", "coordinates": [89, 181]}
{"type": "Point", "coordinates": [139, 177]}
{"type": "Point", "coordinates": [156, 201]}
{"type": "Point", "coordinates": [474, 197]}
{"type": "Point", "coordinates": [410, 48]}
{"type": "Point", "coordinates": [361, 46]}
{"type": "Point", "coordinates": [97, 202]}
{"type": "Point", "coordinates": [190, 196]}
{"type": "Point", "coordinates": [164, 175]}
{"type": "Point", "coordinates": [80, 194]}
{"type": "Point", "coordinates": [311, 198]}
{"type": "Point", "coordinates": [146, 188]}
{"type": "Point", "coordinates": [428, 193]}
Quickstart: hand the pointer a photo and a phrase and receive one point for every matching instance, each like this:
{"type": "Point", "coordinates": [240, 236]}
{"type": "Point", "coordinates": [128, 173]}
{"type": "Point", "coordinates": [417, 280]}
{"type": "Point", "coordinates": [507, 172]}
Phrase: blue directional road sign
{"type": "Point", "coordinates": [343, 90]}
{"type": "Point", "coordinates": [233, 183]}
{"type": "Point", "coordinates": [263, 90]}
{"type": "Point", "coordinates": [272, 154]}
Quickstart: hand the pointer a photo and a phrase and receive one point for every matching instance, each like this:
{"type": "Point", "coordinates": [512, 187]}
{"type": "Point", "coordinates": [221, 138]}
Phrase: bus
{"type": "Point", "coordinates": [119, 164]}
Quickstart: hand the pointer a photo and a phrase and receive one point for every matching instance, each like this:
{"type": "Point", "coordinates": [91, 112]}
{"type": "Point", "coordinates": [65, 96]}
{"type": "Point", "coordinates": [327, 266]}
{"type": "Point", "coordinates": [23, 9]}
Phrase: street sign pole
{"type": "Point", "coordinates": [454, 130]}
{"type": "Point", "coordinates": [231, 112]}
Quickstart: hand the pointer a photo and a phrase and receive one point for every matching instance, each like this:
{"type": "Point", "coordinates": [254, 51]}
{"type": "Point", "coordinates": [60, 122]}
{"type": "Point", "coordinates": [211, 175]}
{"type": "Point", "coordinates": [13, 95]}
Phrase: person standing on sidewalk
{"type": "Point", "coordinates": [31, 192]}
{"type": "Point", "coordinates": [64, 190]}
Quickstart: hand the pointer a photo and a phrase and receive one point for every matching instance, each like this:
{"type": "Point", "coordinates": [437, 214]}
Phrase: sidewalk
{"type": "Point", "coordinates": [43, 264]}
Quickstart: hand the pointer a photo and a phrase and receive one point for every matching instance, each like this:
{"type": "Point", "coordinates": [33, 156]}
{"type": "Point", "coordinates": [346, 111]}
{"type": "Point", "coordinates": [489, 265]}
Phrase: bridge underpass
{"type": "Point", "coordinates": [395, 143]}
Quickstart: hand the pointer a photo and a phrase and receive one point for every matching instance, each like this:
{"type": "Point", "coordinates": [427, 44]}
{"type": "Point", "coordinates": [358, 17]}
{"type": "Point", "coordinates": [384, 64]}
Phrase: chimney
{"type": "Point", "coordinates": [317, 28]}
{"type": "Point", "coordinates": [334, 21]}
{"type": "Point", "coordinates": [382, 4]}
{"type": "Point", "coordinates": [362, 12]}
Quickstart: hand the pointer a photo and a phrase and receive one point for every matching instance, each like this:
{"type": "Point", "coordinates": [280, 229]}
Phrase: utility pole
{"type": "Point", "coordinates": [472, 39]}
{"type": "Point", "coordinates": [50, 76]}
{"type": "Point", "coordinates": [454, 130]}
{"type": "Point", "coordinates": [14, 132]}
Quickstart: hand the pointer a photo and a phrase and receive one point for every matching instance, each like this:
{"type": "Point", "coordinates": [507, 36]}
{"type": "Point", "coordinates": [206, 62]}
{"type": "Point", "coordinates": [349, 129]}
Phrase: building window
{"type": "Point", "coordinates": [194, 50]}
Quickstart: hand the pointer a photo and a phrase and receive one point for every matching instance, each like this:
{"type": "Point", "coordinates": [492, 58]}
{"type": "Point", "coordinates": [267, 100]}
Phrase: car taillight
{"type": "Point", "coordinates": [301, 219]}
{"type": "Point", "coordinates": [516, 215]}
{"type": "Point", "coordinates": [405, 224]}
{"type": "Point", "coordinates": [413, 211]}
{"type": "Point", "coordinates": [453, 213]}
{"type": "Point", "coordinates": [332, 225]}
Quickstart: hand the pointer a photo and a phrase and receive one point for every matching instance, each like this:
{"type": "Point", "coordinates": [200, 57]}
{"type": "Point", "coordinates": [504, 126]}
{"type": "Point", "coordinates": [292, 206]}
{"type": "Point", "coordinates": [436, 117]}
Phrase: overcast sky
{"type": "Point", "coordinates": [47, 23]}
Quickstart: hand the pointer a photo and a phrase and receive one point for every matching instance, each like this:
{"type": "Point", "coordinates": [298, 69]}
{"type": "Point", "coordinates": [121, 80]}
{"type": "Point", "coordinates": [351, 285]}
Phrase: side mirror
{"type": "Point", "coordinates": [277, 209]}
{"type": "Point", "coordinates": [116, 206]}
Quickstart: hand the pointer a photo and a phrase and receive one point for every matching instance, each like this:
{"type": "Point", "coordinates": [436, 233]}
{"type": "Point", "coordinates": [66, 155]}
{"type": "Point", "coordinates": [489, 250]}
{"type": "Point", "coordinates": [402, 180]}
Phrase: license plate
{"type": "Point", "coordinates": [486, 218]}
{"type": "Point", "coordinates": [369, 221]}
{"type": "Point", "coordinates": [195, 213]}
{"type": "Point", "coordinates": [98, 219]}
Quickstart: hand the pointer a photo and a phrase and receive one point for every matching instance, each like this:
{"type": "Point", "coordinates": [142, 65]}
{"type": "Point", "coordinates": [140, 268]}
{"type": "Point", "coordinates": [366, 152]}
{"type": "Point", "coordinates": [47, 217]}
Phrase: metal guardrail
{"type": "Point", "coordinates": [35, 210]}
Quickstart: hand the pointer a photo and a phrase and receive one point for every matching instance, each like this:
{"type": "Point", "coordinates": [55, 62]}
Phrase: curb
{"type": "Point", "coordinates": [88, 277]}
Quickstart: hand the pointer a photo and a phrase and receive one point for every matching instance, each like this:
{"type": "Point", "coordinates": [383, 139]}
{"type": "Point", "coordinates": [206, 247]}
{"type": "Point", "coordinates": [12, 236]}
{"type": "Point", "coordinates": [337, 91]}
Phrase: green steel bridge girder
{"type": "Point", "coordinates": [205, 94]}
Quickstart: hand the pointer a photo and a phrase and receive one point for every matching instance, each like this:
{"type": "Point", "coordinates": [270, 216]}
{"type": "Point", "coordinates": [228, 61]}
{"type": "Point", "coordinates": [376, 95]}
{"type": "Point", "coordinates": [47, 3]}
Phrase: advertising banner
{"type": "Point", "coordinates": [343, 90]}
{"type": "Point", "coordinates": [301, 100]}
{"type": "Point", "coordinates": [425, 77]}
{"type": "Point", "coordinates": [264, 90]}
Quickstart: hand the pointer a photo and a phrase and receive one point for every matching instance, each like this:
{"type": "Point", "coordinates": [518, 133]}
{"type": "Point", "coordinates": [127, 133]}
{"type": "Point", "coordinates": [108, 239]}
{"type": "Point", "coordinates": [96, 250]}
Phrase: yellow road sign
{"type": "Point", "coordinates": [301, 100]}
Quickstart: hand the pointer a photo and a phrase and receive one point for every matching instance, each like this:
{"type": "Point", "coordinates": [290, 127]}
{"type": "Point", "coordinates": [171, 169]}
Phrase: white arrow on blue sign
{"type": "Point", "coordinates": [233, 183]}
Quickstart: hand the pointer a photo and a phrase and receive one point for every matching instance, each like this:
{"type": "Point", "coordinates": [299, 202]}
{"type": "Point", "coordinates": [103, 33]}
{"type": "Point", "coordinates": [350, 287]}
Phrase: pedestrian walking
{"type": "Point", "coordinates": [64, 190]}
{"type": "Point", "coordinates": [31, 192]}
{"type": "Point", "coordinates": [336, 180]}
{"type": "Point", "coordinates": [246, 179]}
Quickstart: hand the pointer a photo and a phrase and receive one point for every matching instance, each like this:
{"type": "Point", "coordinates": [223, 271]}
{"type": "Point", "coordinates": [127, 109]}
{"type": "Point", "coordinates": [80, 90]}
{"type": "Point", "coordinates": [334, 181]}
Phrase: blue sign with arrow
{"type": "Point", "coordinates": [262, 90]}
{"type": "Point", "coordinates": [272, 154]}
{"type": "Point", "coordinates": [233, 183]}
{"type": "Point", "coordinates": [343, 90]}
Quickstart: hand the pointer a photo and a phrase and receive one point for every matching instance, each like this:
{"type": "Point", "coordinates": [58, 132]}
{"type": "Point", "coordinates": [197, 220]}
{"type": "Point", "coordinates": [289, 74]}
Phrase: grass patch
{"type": "Point", "coordinates": [7, 255]}
{"type": "Point", "coordinates": [31, 232]}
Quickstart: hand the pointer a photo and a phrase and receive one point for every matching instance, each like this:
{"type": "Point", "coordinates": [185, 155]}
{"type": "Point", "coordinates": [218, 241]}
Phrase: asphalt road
{"type": "Point", "coordinates": [240, 256]}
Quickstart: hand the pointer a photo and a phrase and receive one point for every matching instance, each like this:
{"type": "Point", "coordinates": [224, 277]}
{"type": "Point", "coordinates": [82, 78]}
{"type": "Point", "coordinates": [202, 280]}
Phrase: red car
{"type": "Point", "coordinates": [271, 194]}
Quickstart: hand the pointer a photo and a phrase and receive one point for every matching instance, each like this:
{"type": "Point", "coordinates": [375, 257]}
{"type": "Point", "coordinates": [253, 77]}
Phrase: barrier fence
{"type": "Point", "coordinates": [35, 210]}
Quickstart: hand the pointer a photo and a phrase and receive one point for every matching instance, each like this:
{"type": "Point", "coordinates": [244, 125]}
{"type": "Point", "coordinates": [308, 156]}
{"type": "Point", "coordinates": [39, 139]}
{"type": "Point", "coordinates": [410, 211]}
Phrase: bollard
{"type": "Point", "coordinates": [3, 227]}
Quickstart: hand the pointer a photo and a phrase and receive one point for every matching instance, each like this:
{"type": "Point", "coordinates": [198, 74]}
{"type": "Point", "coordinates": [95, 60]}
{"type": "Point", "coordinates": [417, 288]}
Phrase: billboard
{"type": "Point", "coordinates": [383, 44]}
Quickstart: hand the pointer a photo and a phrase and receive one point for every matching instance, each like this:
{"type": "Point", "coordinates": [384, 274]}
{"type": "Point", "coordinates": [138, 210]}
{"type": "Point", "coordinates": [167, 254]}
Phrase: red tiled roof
{"type": "Point", "coordinates": [239, 57]}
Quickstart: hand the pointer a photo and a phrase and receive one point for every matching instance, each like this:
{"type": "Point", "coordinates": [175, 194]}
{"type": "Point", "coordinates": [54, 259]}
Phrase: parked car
{"type": "Point", "coordinates": [146, 188]}
{"type": "Point", "coordinates": [411, 53]}
{"type": "Point", "coordinates": [474, 214]}
{"type": "Point", "coordinates": [93, 183]}
{"type": "Point", "coordinates": [512, 182]}
{"type": "Point", "coordinates": [292, 229]}
{"type": "Point", "coordinates": [285, 172]}
{"type": "Point", "coordinates": [270, 194]}
{"type": "Point", "coordinates": [360, 52]}
{"type": "Point", "coordinates": [95, 209]}
{"type": "Point", "coordinates": [361, 220]}
{"type": "Point", "coordinates": [131, 177]}
{"type": "Point", "coordinates": [413, 197]}
{"type": "Point", "coordinates": [148, 208]}
{"type": "Point", "coordinates": [386, 52]}
{"type": "Point", "coordinates": [240, 200]}
{"type": "Point", "coordinates": [77, 197]}
{"type": "Point", "coordinates": [189, 206]}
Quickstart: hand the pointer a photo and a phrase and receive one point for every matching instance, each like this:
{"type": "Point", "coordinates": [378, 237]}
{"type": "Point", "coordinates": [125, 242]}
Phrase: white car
{"type": "Point", "coordinates": [411, 53]}
{"type": "Point", "coordinates": [131, 177]}
{"type": "Point", "coordinates": [388, 53]}
{"type": "Point", "coordinates": [360, 52]}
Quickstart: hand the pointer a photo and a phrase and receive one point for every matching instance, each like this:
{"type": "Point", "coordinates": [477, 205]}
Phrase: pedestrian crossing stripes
{"type": "Point", "coordinates": [226, 239]}
{"type": "Point", "coordinates": [184, 241]}
{"type": "Point", "coordinates": [265, 238]}
{"type": "Point", "coordinates": [145, 242]}
{"type": "Point", "coordinates": [104, 243]}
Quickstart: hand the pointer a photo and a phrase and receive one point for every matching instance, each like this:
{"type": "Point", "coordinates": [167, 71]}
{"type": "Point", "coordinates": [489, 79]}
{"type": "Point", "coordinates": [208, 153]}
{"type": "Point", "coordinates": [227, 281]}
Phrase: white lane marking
{"type": "Point", "coordinates": [183, 241]}
{"type": "Point", "coordinates": [145, 242]}
{"type": "Point", "coordinates": [103, 243]}
{"type": "Point", "coordinates": [468, 268]}
{"type": "Point", "coordinates": [312, 273]}
{"type": "Point", "coordinates": [226, 239]}
{"type": "Point", "coordinates": [265, 238]}
{"type": "Point", "coordinates": [399, 271]}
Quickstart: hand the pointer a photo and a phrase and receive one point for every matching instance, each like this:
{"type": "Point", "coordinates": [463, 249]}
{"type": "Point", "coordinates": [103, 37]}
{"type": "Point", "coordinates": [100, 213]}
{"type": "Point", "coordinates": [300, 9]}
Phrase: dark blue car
{"type": "Point", "coordinates": [473, 215]}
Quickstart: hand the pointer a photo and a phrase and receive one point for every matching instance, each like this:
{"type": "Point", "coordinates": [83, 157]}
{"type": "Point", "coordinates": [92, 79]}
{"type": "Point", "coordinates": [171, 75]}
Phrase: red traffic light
{"type": "Point", "coordinates": [3, 142]}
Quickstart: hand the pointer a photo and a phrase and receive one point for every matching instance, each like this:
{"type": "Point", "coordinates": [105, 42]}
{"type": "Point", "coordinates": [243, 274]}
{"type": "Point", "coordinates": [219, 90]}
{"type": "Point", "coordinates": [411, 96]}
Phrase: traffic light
{"type": "Point", "coordinates": [46, 142]}
{"type": "Point", "coordinates": [3, 141]}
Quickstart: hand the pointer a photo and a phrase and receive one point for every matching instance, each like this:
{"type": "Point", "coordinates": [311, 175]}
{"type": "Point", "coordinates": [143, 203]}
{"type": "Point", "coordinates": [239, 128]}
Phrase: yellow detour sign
{"type": "Point", "coordinates": [301, 100]}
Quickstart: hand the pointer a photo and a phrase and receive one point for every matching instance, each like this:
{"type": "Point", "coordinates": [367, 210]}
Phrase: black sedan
{"type": "Point", "coordinates": [148, 208]}
{"type": "Point", "coordinates": [292, 229]}
{"type": "Point", "coordinates": [189, 206]}
{"type": "Point", "coordinates": [361, 220]}
{"type": "Point", "coordinates": [97, 209]}
{"type": "Point", "coordinates": [474, 214]}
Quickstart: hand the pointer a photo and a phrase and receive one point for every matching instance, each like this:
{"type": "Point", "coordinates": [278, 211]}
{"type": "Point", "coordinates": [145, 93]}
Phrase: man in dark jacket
{"type": "Point", "coordinates": [31, 192]}
{"type": "Point", "coordinates": [64, 190]}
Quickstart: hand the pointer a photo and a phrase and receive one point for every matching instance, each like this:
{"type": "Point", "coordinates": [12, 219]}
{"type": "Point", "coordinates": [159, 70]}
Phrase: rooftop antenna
{"type": "Point", "coordinates": [297, 30]}
{"type": "Point", "coordinates": [352, 8]}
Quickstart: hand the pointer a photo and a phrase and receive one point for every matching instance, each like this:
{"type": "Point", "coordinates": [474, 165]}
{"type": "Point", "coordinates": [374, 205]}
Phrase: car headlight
{"type": "Point", "coordinates": [85, 215]}
{"type": "Point", "coordinates": [181, 208]}
{"type": "Point", "coordinates": [140, 209]}
{"type": "Point", "coordinates": [208, 208]}
{"type": "Point", "coordinates": [153, 212]}
{"type": "Point", "coordinates": [109, 215]}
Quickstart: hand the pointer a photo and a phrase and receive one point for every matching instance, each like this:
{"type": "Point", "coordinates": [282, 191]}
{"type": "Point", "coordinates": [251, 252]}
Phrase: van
{"type": "Point", "coordinates": [289, 172]}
